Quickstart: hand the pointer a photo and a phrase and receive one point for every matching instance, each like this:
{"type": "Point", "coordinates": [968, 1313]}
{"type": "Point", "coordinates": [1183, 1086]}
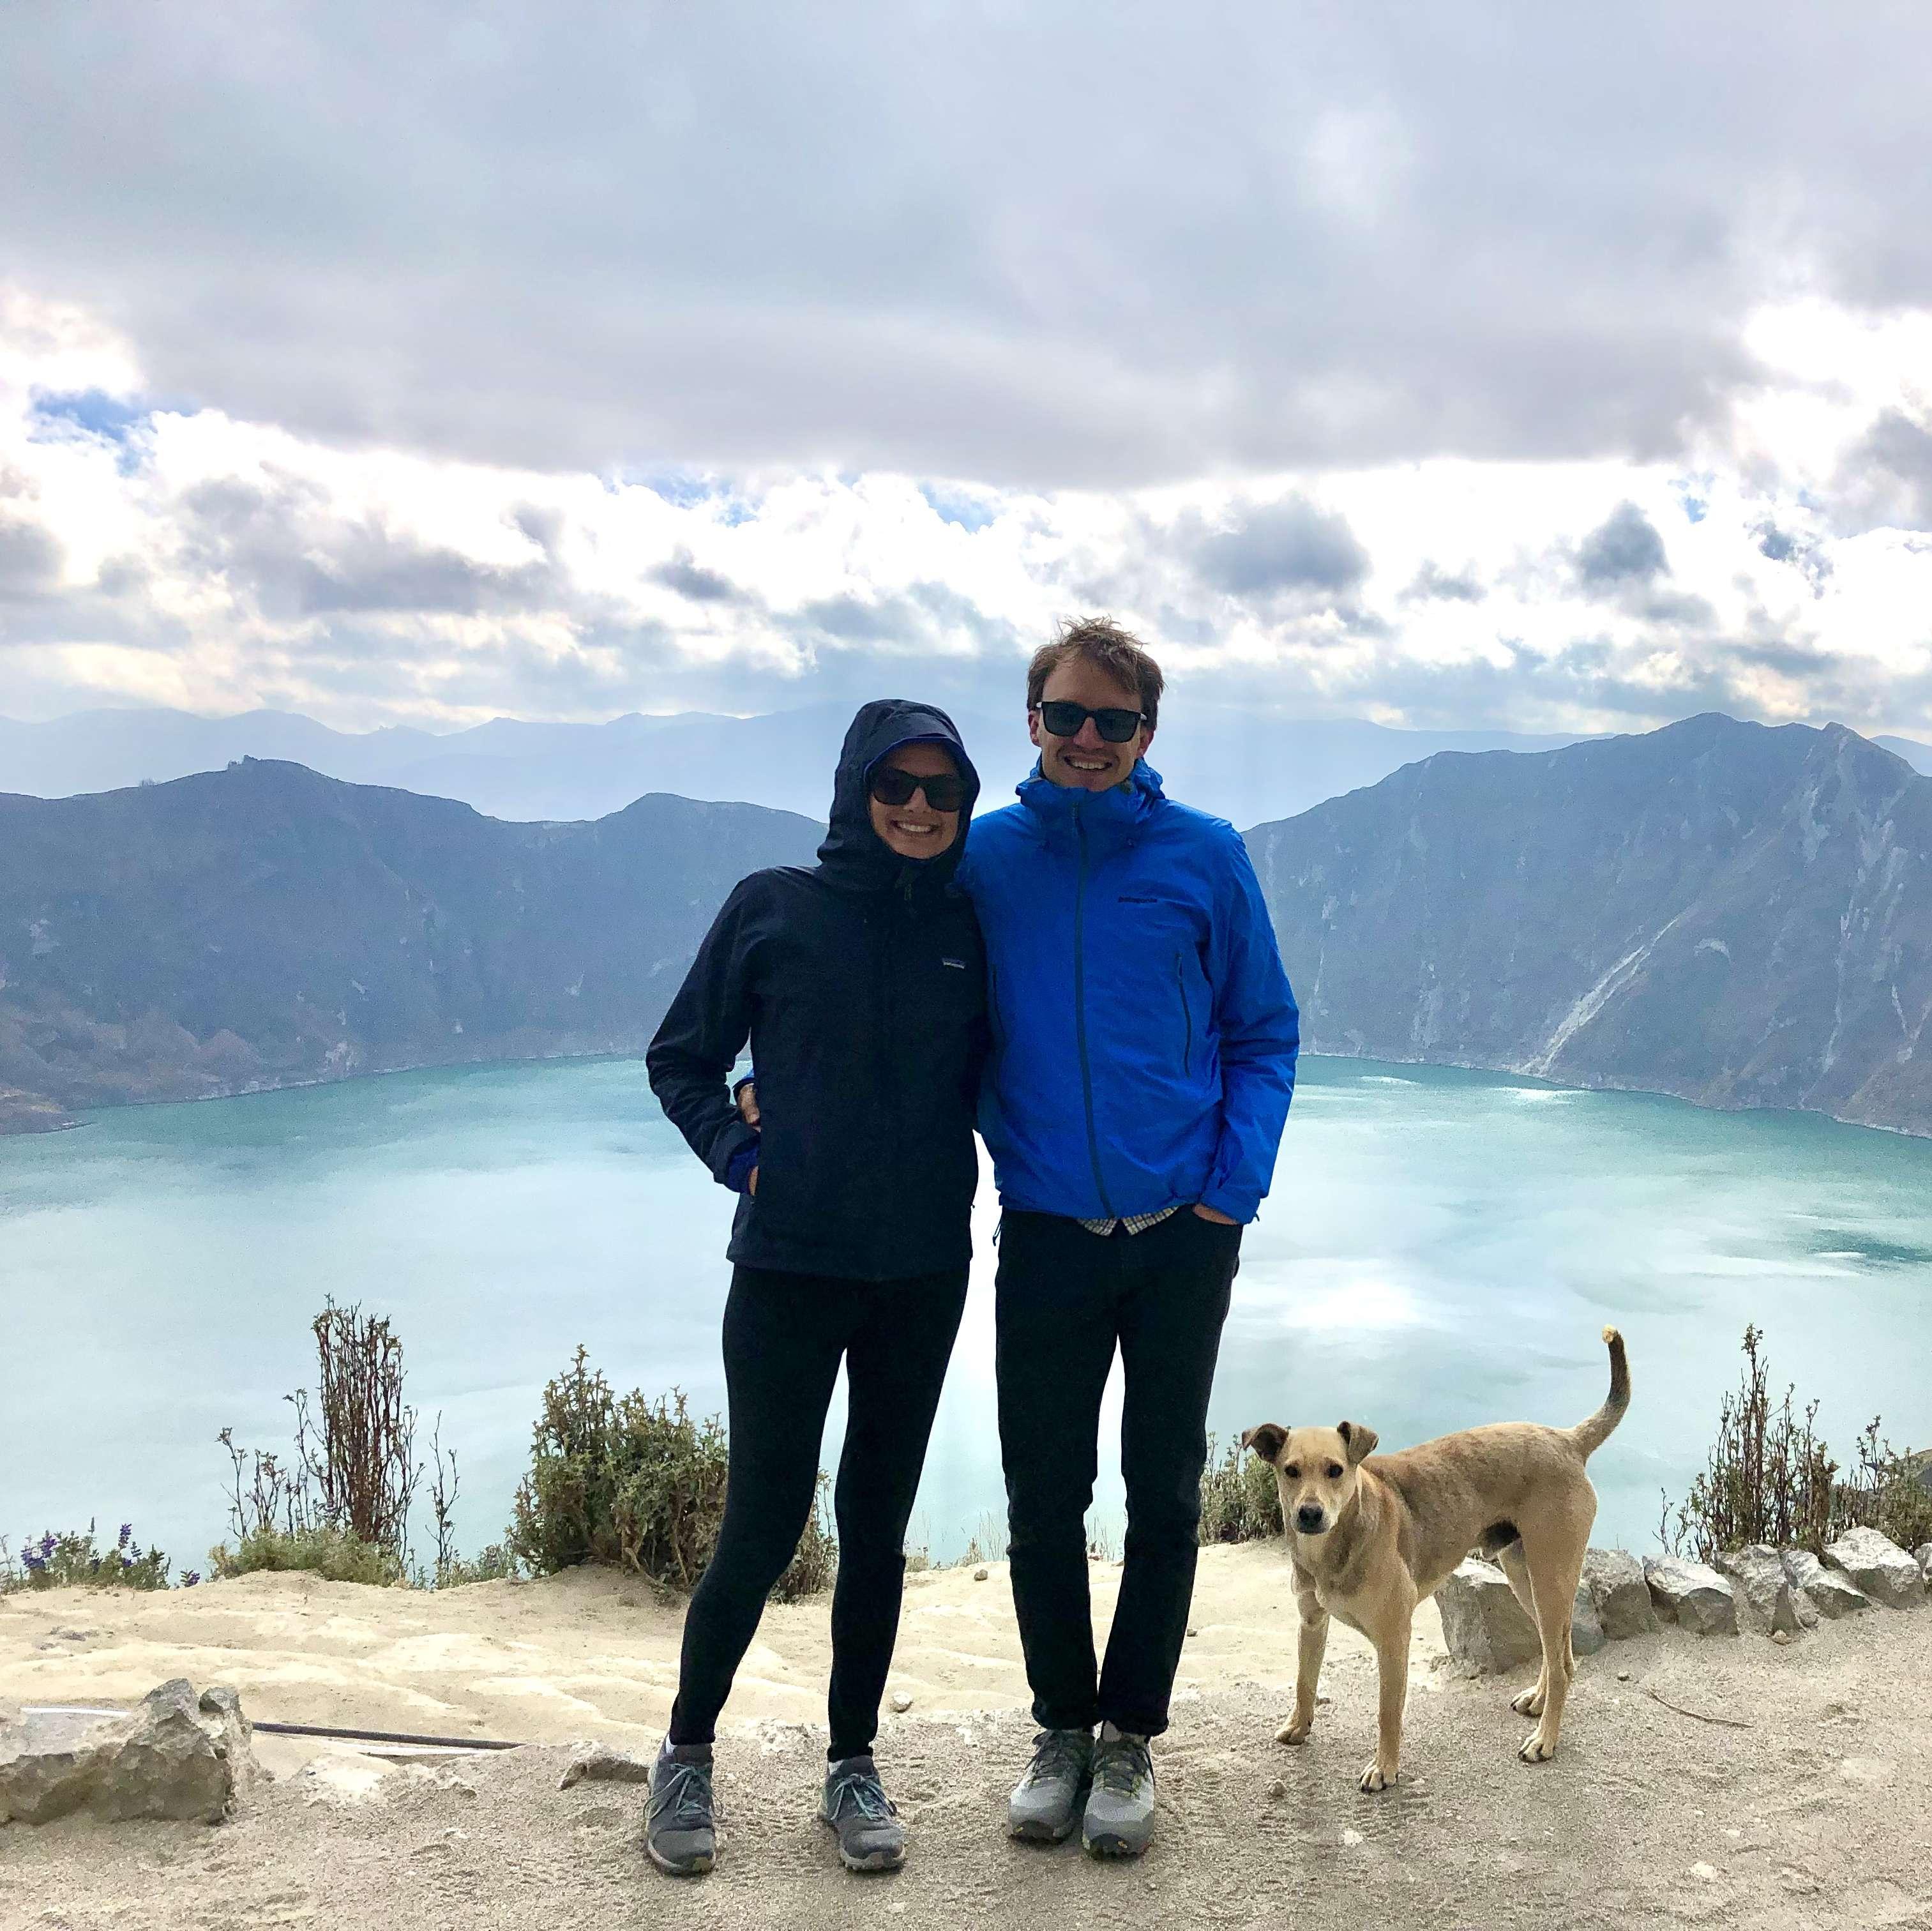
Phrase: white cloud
{"type": "Point", "coordinates": [193, 557]}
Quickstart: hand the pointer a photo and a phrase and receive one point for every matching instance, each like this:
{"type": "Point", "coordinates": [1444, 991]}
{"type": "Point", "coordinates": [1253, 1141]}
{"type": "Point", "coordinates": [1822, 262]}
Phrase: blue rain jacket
{"type": "Point", "coordinates": [1143, 1035]}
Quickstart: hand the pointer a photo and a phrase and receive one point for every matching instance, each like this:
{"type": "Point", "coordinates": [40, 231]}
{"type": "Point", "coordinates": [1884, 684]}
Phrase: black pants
{"type": "Point", "coordinates": [784, 1336]}
{"type": "Point", "coordinates": [1066, 1299]}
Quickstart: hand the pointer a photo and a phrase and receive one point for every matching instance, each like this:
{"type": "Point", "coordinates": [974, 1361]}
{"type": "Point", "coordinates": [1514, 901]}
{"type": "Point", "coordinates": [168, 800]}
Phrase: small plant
{"type": "Point", "coordinates": [1769, 1479]}
{"type": "Point", "coordinates": [339, 1506]}
{"type": "Point", "coordinates": [1239, 1499]}
{"type": "Point", "coordinates": [1888, 1490]}
{"type": "Point", "coordinates": [71, 1560]}
{"type": "Point", "coordinates": [332, 1554]}
{"type": "Point", "coordinates": [636, 1483]}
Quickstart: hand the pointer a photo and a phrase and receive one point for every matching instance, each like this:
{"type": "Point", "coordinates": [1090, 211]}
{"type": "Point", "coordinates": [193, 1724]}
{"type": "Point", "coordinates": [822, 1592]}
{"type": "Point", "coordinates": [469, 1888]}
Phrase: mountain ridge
{"type": "Point", "coordinates": [265, 926]}
{"type": "Point", "coordinates": [1739, 914]}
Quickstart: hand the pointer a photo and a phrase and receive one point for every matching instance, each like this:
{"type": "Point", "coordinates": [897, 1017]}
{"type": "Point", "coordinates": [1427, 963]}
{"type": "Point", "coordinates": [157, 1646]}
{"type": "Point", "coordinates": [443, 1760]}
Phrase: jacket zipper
{"type": "Point", "coordinates": [1186, 1016]}
{"type": "Point", "coordinates": [1080, 1013]}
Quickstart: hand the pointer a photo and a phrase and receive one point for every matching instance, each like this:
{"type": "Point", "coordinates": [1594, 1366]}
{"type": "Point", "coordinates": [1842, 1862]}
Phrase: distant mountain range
{"type": "Point", "coordinates": [1244, 765]}
{"type": "Point", "coordinates": [1737, 914]}
{"type": "Point", "coordinates": [264, 926]}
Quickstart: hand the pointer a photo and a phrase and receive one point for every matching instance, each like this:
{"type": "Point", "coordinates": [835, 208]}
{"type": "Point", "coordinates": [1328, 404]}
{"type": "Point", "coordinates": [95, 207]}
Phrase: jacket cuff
{"type": "Point", "coordinates": [1238, 1204]}
{"type": "Point", "coordinates": [732, 1140]}
{"type": "Point", "coordinates": [738, 1175]}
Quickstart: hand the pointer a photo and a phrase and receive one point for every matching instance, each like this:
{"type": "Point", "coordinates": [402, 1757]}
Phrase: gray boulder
{"type": "Point", "coordinates": [1922, 1556]}
{"type": "Point", "coordinates": [1693, 1596]}
{"type": "Point", "coordinates": [173, 1757]}
{"type": "Point", "coordinates": [1485, 1627]}
{"type": "Point", "coordinates": [1759, 1572]}
{"type": "Point", "coordinates": [1586, 1627]}
{"type": "Point", "coordinates": [1614, 1579]}
{"type": "Point", "coordinates": [1825, 1589]}
{"type": "Point", "coordinates": [1878, 1567]}
{"type": "Point", "coordinates": [49, 1764]}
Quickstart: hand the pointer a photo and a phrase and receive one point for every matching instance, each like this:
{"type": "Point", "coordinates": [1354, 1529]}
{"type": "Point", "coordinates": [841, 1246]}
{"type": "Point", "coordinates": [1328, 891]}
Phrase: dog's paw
{"type": "Point", "coordinates": [1528, 1702]}
{"type": "Point", "coordinates": [1535, 1750]}
{"type": "Point", "coordinates": [1374, 1780]}
{"type": "Point", "coordinates": [1293, 1731]}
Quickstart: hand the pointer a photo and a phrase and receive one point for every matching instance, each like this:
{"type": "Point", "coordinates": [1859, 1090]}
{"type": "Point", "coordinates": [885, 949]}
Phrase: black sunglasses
{"type": "Point", "coordinates": [1065, 719]}
{"type": "Point", "coordinates": [892, 786]}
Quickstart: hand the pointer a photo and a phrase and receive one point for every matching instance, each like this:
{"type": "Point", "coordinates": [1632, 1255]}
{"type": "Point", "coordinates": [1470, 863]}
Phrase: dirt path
{"type": "Point", "coordinates": [1818, 1814]}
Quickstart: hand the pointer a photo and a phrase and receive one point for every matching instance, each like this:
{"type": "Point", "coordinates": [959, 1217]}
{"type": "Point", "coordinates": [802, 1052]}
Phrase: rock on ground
{"type": "Point", "coordinates": [1878, 1567]}
{"type": "Point", "coordinates": [1614, 1579]}
{"type": "Point", "coordinates": [1485, 1627]}
{"type": "Point", "coordinates": [1759, 1570]}
{"type": "Point", "coordinates": [1829, 1592]}
{"type": "Point", "coordinates": [1691, 1595]}
{"type": "Point", "coordinates": [1922, 1556]}
{"type": "Point", "coordinates": [1587, 1635]}
{"type": "Point", "coordinates": [174, 1757]}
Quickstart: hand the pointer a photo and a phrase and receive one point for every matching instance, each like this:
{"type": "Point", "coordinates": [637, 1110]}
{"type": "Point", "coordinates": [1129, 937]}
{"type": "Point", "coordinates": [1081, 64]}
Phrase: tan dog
{"type": "Point", "coordinates": [1371, 1536]}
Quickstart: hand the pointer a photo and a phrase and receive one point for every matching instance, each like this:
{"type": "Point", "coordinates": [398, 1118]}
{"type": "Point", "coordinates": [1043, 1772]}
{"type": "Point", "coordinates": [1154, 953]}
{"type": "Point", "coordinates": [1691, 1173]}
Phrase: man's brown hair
{"type": "Point", "coordinates": [1103, 642]}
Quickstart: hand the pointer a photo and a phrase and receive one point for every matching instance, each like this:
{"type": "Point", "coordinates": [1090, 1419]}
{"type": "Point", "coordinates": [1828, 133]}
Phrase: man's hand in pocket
{"type": "Point", "coordinates": [1215, 1214]}
{"type": "Point", "coordinates": [748, 1102]}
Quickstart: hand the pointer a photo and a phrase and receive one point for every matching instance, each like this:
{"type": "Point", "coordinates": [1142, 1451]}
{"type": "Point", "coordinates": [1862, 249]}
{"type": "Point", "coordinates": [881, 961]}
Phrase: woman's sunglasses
{"type": "Point", "coordinates": [1064, 720]}
{"type": "Point", "coordinates": [892, 786]}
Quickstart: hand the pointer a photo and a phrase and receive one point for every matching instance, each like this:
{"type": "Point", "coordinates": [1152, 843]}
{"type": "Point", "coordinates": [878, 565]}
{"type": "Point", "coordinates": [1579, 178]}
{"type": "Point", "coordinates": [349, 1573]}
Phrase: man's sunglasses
{"type": "Point", "coordinates": [1065, 720]}
{"type": "Point", "coordinates": [892, 786]}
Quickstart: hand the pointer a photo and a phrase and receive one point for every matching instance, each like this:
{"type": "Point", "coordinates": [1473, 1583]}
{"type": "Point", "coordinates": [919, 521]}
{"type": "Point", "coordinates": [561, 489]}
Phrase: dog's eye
{"type": "Point", "coordinates": [1334, 1471]}
{"type": "Point", "coordinates": [1293, 1473]}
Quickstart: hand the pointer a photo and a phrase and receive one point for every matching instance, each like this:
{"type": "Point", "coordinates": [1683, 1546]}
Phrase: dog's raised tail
{"type": "Point", "coordinates": [1590, 1435]}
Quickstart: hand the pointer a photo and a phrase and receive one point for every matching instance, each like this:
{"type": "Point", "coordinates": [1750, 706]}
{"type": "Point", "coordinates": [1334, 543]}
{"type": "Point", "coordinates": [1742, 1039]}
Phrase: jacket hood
{"type": "Point", "coordinates": [854, 857]}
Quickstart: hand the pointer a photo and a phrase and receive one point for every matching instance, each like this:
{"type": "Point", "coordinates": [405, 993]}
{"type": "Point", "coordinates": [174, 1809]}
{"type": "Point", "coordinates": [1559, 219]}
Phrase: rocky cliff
{"type": "Point", "coordinates": [1738, 914]}
{"type": "Point", "coordinates": [262, 926]}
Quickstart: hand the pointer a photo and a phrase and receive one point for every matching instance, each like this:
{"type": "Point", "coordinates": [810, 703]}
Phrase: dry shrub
{"type": "Point", "coordinates": [1240, 1501]}
{"type": "Point", "coordinates": [638, 1484]}
{"type": "Point", "coordinates": [1771, 1479]}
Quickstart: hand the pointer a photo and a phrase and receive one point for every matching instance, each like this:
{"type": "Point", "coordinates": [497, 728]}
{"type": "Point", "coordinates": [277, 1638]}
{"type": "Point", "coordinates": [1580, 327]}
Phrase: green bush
{"type": "Point", "coordinates": [71, 1561]}
{"type": "Point", "coordinates": [334, 1554]}
{"type": "Point", "coordinates": [1240, 1501]}
{"type": "Point", "coordinates": [637, 1485]}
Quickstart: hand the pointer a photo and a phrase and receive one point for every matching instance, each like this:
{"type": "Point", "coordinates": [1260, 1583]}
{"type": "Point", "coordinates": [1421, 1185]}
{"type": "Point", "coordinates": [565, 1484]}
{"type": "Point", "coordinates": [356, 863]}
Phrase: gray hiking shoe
{"type": "Point", "coordinates": [1045, 1803]}
{"type": "Point", "coordinates": [1120, 1810]}
{"type": "Point", "coordinates": [681, 1831]}
{"type": "Point", "coordinates": [871, 1837]}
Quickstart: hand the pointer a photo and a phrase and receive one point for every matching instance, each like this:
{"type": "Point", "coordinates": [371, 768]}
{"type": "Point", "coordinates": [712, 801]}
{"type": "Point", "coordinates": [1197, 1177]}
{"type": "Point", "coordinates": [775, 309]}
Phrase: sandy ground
{"type": "Point", "coordinates": [1812, 1805]}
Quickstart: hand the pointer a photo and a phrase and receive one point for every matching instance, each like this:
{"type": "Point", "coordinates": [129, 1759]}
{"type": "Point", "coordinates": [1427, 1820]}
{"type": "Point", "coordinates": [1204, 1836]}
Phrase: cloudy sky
{"type": "Point", "coordinates": [1504, 365]}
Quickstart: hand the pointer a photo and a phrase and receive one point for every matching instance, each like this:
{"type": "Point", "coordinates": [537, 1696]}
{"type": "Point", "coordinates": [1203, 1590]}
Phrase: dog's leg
{"type": "Point", "coordinates": [1554, 1583]}
{"type": "Point", "coordinates": [1307, 1669]}
{"type": "Point", "coordinates": [1391, 1639]}
{"type": "Point", "coordinates": [1526, 1702]}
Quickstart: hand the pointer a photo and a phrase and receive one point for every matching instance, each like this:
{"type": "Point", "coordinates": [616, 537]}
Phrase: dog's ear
{"type": "Point", "coordinates": [1360, 1442]}
{"type": "Point", "coordinates": [1265, 1440]}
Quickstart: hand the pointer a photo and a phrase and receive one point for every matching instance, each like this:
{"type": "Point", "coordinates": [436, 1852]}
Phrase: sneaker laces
{"type": "Point", "coordinates": [1120, 1762]}
{"type": "Point", "coordinates": [1056, 1752]}
{"type": "Point", "coordinates": [684, 1796]}
{"type": "Point", "coordinates": [867, 1794]}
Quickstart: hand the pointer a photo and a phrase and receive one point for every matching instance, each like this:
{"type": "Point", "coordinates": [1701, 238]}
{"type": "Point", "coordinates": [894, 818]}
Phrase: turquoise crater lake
{"type": "Point", "coordinates": [1441, 1248]}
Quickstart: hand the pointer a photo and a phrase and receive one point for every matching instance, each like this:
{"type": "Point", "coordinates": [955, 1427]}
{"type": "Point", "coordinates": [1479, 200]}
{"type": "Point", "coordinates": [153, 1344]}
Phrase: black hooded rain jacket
{"type": "Point", "coordinates": [860, 984]}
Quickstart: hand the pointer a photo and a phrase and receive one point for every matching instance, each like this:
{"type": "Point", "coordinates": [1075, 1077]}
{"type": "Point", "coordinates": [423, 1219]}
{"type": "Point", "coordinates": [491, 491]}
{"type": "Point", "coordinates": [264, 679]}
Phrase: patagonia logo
{"type": "Point", "coordinates": [958, 965]}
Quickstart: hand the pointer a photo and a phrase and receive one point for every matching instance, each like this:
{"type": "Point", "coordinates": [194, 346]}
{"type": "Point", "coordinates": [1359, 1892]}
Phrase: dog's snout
{"type": "Point", "coordinates": [1309, 1519]}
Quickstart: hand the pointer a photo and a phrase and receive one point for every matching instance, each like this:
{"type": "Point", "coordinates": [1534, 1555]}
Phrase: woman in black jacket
{"type": "Point", "coordinates": [860, 984]}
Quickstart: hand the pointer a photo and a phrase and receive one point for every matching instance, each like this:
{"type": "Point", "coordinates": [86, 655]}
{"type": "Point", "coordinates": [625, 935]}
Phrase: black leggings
{"type": "Point", "coordinates": [784, 1336]}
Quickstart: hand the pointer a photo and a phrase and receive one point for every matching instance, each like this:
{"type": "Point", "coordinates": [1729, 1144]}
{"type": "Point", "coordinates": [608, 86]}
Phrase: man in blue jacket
{"type": "Point", "coordinates": [1143, 1048]}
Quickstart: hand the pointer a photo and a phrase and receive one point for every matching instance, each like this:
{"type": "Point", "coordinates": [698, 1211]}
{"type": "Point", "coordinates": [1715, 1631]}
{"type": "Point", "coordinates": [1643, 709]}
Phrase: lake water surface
{"type": "Point", "coordinates": [1441, 1248]}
